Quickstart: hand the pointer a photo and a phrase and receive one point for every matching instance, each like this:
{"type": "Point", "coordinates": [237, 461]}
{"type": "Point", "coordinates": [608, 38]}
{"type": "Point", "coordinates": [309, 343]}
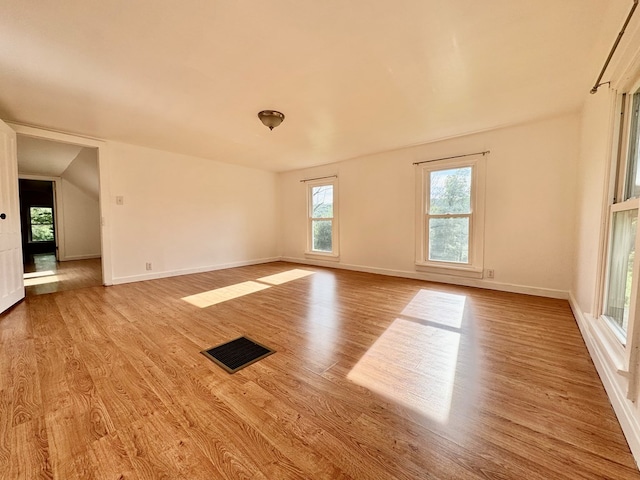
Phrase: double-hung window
{"type": "Point", "coordinates": [41, 224]}
{"type": "Point", "coordinates": [322, 218]}
{"type": "Point", "coordinates": [621, 274]}
{"type": "Point", "coordinates": [450, 222]}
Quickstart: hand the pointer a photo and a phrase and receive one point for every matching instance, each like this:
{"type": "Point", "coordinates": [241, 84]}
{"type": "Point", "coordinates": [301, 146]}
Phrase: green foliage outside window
{"type": "Point", "coordinates": [322, 236]}
{"type": "Point", "coordinates": [322, 208]}
{"type": "Point", "coordinates": [450, 194]}
{"type": "Point", "coordinates": [42, 224]}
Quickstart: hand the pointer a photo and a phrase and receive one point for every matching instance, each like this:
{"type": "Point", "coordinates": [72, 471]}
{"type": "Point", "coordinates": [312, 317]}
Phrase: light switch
{"type": "Point", "coordinates": [120, 200]}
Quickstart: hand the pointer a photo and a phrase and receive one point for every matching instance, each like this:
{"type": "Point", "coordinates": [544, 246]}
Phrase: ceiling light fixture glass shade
{"type": "Point", "coordinates": [271, 118]}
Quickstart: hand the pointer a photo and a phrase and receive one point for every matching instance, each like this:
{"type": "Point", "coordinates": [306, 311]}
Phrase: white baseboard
{"type": "Point", "coordinates": [467, 282]}
{"type": "Point", "coordinates": [606, 370]}
{"type": "Point", "coordinates": [609, 376]}
{"type": "Point", "coordinates": [68, 258]}
{"type": "Point", "coordinates": [187, 271]}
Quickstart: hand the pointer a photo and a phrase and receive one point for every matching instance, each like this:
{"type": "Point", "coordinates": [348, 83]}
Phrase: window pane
{"type": "Point", "coordinates": [42, 233]}
{"type": "Point", "coordinates": [41, 215]}
{"type": "Point", "coordinates": [450, 191]}
{"type": "Point", "coordinates": [322, 236]}
{"type": "Point", "coordinates": [633, 178]}
{"type": "Point", "coordinates": [449, 239]}
{"type": "Point", "coordinates": [621, 267]}
{"type": "Point", "coordinates": [322, 201]}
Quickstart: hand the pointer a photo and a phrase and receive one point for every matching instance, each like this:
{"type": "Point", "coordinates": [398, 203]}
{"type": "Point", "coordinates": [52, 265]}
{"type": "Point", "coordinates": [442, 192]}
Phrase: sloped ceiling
{"type": "Point", "coordinates": [352, 77]}
{"type": "Point", "coordinates": [44, 157]}
{"type": "Point", "coordinates": [83, 173]}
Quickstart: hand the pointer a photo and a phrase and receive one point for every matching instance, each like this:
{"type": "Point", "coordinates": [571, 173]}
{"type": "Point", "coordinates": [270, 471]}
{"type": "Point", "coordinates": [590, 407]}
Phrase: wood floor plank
{"type": "Point", "coordinates": [30, 451]}
{"type": "Point", "coordinates": [6, 432]}
{"type": "Point", "coordinates": [75, 413]}
{"type": "Point", "coordinates": [200, 413]}
{"type": "Point", "coordinates": [62, 276]}
{"type": "Point", "coordinates": [297, 443]}
{"type": "Point", "coordinates": [374, 377]}
{"type": "Point", "coordinates": [25, 393]}
{"type": "Point", "coordinates": [105, 458]}
{"type": "Point", "coordinates": [160, 448]}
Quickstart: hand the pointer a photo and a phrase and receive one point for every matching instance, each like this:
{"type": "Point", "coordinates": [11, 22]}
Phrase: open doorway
{"type": "Point", "coordinates": [37, 218]}
{"type": "Point", "coordinates": [60, 215]}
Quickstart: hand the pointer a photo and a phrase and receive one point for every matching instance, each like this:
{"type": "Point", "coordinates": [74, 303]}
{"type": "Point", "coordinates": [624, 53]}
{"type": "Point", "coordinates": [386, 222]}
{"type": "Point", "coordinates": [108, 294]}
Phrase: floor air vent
{"type": "Point", "coordinates": [237, 354]}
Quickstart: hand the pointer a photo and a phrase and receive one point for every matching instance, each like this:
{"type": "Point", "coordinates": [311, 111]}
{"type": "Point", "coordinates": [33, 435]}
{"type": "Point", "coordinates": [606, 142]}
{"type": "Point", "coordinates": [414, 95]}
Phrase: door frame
{"type": "Point", "coordinates": [58, 214]}
{"type": "Point", "coordinates": [103, 169]}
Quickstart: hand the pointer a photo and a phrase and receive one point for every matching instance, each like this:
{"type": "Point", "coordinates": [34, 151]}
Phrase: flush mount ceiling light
{"type": "Point", "coordinates": [271, 118]}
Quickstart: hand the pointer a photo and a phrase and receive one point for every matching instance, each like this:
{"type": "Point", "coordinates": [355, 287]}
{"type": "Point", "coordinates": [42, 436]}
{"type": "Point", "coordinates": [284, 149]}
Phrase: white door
{"type": "Point", "coordinates": [11, 270]}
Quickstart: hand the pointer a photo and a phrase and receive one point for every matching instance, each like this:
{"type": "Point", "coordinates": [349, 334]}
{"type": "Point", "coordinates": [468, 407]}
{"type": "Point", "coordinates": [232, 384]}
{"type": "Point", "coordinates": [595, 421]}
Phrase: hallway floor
{"type": "Point", "coordinates": [43, 274]}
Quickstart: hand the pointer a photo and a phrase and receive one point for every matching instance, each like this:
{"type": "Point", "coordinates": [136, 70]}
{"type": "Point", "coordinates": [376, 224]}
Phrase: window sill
{"type": "Point", "coordinates": [611, 343]}
{"type": "Point", "coordinates": [469, 272]}
{"type": "Point", "coordinates": [615, 330]}
{"type": "Point", "coordinates": [323, 256]}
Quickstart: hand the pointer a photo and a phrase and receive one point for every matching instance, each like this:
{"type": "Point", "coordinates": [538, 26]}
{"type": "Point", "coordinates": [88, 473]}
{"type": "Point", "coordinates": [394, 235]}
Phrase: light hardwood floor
{"type": "Point", "coordinates": [52, 276]}
{"type": "Point", "coordinates": [374, 378]}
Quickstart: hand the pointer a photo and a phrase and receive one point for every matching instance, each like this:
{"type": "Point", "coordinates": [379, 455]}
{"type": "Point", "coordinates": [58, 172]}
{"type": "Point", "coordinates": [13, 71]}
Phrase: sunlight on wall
{"type": "Point", "coordinates": [219, 295]}
{"type": "Point", "coordinates": [284, 277]}
{"type": "Point", "coordinates": [414, 361]}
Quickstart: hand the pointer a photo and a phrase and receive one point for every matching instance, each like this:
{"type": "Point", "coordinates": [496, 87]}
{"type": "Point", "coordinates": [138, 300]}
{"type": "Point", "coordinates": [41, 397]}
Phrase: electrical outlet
{"type": "Point", "coordinates": [490, 273]}
{"type": "Point", "coordinates": [148, 265]}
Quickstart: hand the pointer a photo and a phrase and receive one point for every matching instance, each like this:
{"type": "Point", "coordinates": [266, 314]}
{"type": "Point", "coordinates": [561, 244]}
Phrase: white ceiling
{"type": "Point", "coordinates": [352, 77]}
{"type": "Point", "coordinates": [44, 157]}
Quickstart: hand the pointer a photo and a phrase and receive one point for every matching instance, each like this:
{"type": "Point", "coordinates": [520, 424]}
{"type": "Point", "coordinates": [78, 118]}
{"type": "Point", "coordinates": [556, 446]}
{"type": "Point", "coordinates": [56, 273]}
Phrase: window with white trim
{"type": "Point", "coordinates": [41, 224]}
{"type": "Point", "coordinates": [621, 277]}
{"type": "Point", "coordinates": [322, 218]}
{"type": "Point", "coordinates": [450, 221]}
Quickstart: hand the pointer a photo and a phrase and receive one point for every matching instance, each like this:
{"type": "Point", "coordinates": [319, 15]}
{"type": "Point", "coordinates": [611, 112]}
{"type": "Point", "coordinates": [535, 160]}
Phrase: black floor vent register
{"type": "Point", "coordinates": [237, 354]}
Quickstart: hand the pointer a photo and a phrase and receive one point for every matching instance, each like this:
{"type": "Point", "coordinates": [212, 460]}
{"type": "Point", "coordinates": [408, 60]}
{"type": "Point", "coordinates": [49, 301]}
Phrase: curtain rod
{"type": "Point", "coordinates": [613, 49]}
{"type": "Point", "coordinates": [318, 178]}
{"type": "Point", "coordinates": [455, 156]}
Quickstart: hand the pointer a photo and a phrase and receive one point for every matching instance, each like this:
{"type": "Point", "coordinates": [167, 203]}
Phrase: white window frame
{"type": "Point", "coordinates": [334, 255]}
{"type": "Point", "coordinates": [475, 266]}
{"type": "Point", "coordinates": [620, 347]}
{"type": "Point", "coordinates": [53, 221]}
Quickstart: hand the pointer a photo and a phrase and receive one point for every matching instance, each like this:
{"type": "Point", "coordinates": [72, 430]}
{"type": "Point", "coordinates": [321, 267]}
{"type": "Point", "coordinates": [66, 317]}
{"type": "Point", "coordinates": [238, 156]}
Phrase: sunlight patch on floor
{"type": "Point", "coordinates": [437, 307]}
{"type": "Point", "coordinates": [41, 280]}
{"type": "Point", "coordinates": [219, 295]}
{"type": "Point", "coordinates": [414, 361]}
{"type": "Point", "coordinates": [322, 322]}
{"type": "Point", "coordinates": [45, 273]}
{"type": "Point", "coordinates": [284, 277]}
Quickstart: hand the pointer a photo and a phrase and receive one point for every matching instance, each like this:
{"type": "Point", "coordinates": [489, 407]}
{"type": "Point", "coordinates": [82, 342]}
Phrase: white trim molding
{"type": "Point", "coordinates": [334, 254]}
{"type": "Point", "coordinates": [81, 257]}
{"type": "Point", "coordinates": [430, 277]}
{"type": "Point", "coordinates": [473, 266]}
{"type": "Point", "coordinates": [103, 167]}
{"type": "Point", "coordinates": [611, 370]}
{"type": "Point", "coordinates": [58, 217]}
{"type": "Point", "coordinates": [188, 271]}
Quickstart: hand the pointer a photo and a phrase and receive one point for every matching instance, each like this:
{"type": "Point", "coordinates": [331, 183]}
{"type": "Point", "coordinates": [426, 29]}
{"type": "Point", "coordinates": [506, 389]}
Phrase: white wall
{"type": "Point", "coordinates": [81, 207]}
{"type": "Point", "coordinates": [620, 378]}
{"type": "Point", "coordinates": [591, 194]}
{"type": "Point", "coordinates": [186, 214]}
{"type": "Point", "coordinates": [619, 372]}
{"type": "Point", "coordinates": [530, 206]}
